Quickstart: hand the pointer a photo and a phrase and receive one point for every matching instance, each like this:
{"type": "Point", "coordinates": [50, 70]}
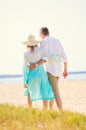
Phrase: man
{"type": "Point", "coordinates": [56, 54]}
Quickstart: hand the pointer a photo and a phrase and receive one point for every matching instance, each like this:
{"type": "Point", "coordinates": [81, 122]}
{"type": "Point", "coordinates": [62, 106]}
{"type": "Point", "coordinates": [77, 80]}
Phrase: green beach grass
{"type": "Point", "coordinates": [21, 118]}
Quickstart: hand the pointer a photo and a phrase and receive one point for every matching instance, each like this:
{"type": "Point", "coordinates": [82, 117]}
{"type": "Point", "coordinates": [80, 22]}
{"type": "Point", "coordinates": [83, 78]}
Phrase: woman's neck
{"type": "Point", "coordinates": [32, 48]}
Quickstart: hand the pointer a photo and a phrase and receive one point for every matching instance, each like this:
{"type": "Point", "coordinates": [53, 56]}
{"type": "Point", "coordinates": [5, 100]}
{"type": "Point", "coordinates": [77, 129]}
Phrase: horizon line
{"type": "Point", "coordinates": [21, 75]}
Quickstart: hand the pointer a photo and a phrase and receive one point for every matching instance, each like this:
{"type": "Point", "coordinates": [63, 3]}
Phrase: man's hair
{"type": "Point", "coordinates": [44, 30]}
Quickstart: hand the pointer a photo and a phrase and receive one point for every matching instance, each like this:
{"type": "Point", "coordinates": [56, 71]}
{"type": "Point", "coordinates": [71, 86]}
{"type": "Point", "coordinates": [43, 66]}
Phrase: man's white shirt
{"type": "Point", "coordinates": [53, 47]}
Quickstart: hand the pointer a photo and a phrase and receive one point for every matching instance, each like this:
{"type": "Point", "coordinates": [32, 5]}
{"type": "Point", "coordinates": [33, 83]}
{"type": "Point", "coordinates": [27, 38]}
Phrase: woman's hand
{"type": "Point", "coordinates": [25, 86]}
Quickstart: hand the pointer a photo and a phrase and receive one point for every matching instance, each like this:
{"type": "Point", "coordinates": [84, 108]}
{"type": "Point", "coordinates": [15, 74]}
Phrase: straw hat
{"type": "Point", "coordinates": [31, 41]}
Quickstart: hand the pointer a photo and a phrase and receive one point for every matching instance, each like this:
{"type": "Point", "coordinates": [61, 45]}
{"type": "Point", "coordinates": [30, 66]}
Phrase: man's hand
{"type": "Point", "coordinates": [32, 66]}
{"type": "Point", "coordinates": [65, 73]}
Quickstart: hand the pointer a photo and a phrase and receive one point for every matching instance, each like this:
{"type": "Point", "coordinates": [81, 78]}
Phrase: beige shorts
{"type": "Point", "coordinates": [53, 81]}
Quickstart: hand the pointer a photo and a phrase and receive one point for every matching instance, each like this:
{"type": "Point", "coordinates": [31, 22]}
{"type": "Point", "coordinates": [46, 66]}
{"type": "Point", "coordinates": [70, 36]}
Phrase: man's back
{"type": "Point", "coordinates": [54, 48]}
{"type": "Point", "coordinates": [52, 45]}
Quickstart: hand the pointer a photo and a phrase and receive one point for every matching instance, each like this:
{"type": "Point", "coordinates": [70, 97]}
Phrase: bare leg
{"type": "Point", "coordinates": [58, 100]}
{"type": "Point", "coordinates": [45, 104]}
{"type": "Point", "coordinates": [51, 102]}
{"type": "Point", "coordinates": [29, 101]}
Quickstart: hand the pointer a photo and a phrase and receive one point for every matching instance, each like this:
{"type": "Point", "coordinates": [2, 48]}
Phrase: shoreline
{"type": "Point", "coordinates": [73, 94]}
{"type": "Point", "coordinates": [18, 78]}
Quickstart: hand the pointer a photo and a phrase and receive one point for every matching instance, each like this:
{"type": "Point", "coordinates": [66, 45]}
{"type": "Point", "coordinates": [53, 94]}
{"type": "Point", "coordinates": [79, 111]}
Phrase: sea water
{"type": "Point", "coordinates": [18, 78]}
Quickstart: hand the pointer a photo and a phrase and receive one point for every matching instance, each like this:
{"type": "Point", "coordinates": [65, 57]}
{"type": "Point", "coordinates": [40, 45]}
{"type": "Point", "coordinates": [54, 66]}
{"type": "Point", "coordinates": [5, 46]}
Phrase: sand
{"type": "Point", "coordinates": [73, 94]}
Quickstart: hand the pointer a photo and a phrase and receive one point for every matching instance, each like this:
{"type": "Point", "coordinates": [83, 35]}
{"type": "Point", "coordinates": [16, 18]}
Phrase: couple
{"type": "Point", "coordinates": [41, 84]}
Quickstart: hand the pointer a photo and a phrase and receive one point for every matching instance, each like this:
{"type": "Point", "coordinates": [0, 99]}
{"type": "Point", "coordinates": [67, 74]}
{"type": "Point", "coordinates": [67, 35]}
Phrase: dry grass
{"type": "Point", "coordinates": [20, 118]}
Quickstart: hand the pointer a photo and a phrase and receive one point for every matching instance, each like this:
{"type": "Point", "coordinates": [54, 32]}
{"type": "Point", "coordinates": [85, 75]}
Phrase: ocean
{"type": "Point", "coordinates": [18, 78]}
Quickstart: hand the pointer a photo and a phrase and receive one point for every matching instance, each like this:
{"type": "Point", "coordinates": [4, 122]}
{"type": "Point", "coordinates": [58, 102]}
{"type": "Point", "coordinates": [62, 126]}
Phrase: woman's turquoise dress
{"type": "Point", "coordinates": [38, 85]}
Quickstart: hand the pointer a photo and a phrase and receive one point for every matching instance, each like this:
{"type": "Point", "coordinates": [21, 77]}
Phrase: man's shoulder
{"type": "Point", "coordinates": [55, 39]}
{"type": "Point", "coordinates": [51, 39]}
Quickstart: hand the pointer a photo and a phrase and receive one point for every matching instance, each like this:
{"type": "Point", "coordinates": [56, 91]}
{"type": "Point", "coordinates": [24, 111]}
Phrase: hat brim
{"type": "Point", "coordinates": [31, 43]}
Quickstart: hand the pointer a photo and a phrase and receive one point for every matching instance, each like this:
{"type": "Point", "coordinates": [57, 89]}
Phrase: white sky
{"type": "Point", "coordinates": [66, 20]}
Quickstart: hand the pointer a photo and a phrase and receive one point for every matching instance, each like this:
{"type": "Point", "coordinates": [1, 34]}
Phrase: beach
{"type": "Point", "coordinates": [73, 94]}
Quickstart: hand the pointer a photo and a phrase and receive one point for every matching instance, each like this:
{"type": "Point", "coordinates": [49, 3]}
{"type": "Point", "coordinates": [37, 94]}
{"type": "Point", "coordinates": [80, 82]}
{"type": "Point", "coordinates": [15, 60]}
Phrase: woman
{"type": "Point", "coordinates": [35, 76]}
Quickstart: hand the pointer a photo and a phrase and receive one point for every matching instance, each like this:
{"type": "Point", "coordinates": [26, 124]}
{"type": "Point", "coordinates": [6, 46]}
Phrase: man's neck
{"type": "Point", "coordinates": [45, 36]}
